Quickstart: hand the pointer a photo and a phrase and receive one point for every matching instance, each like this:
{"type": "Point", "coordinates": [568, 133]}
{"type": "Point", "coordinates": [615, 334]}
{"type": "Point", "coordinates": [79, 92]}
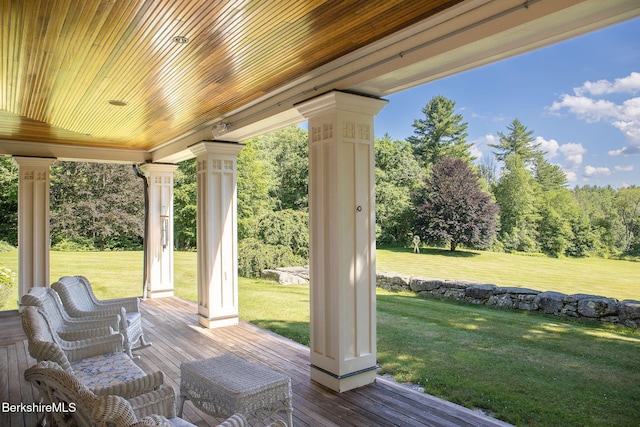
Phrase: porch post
{"type": "Point", "coordinates": [160, 229]}
{"type": "Point", "coordinates": [342, 238]}
{"type": "Point", "coordinates": [33, 222]}
{"type": "Point", "coordinates": [217, 235]}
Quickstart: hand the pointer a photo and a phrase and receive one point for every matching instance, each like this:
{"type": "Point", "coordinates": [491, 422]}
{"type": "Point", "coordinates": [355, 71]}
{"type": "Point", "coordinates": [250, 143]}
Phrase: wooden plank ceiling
{"type": "Point", "coordinates": [63, 61]}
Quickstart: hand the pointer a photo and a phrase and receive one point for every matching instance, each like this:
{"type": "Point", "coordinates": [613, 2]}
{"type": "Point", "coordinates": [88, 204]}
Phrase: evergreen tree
{"type": "Point", "coordinates": [549, 176]}
{"type": "Point", "coordinates": [518, 141]}
{"type": "Point", "coordinates": [442, 133]}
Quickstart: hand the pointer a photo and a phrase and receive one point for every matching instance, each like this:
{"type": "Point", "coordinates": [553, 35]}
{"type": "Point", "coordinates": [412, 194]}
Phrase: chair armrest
{"type": "Point", "coordinates": [159, 402]}
{"type": "Point", "coordinates": [131, 304]}
{"type": "Point", "coordinates": [82, 334]}
{"type": "Point", "coordinates": [83, 349]}
{"type": "Point", "coordinates": [148, 383]}
{"type": "Point", "coordinates": [92, 322]}
{"type": "Point", "coordinates": [47, 350]}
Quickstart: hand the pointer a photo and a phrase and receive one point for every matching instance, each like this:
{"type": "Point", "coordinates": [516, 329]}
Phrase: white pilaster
{"type": "Point", "coordinates": [33, 222]}
{"type": "Point", "coordinates": [217, 237]}
{"type": "Point", "coordinates": [159, 229]}
{"type": "Point", "coordinates": [342, 238]}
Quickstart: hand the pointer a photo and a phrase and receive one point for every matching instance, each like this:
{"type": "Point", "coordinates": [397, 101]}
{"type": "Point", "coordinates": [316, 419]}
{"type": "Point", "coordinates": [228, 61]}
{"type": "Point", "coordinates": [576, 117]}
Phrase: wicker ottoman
{"type": "Point", "coordinates": [225, 385]}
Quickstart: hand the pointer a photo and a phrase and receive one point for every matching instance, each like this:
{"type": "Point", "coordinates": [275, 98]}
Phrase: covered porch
{"type": "Point", "coordinates": [153, 85]}
{"type": "Point", "coordinates": [172, 326]}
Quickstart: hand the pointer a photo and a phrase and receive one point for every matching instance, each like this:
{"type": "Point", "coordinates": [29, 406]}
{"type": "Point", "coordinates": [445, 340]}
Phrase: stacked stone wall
{"type": "Point", "coordinates": [594, 307]}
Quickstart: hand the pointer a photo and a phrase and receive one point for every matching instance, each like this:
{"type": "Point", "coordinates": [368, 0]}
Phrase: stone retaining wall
{"type": "Point", "coordinates": [593, 307]}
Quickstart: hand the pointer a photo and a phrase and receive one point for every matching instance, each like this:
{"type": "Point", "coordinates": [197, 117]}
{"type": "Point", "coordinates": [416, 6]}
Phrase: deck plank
{"type": "Point", "coordinates": [171, 325]}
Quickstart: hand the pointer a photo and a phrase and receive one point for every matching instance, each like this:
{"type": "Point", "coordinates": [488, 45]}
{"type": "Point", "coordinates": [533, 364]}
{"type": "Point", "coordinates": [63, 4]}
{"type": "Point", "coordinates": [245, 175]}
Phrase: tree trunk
{"type": "Point", "coordinates": [452, 246]}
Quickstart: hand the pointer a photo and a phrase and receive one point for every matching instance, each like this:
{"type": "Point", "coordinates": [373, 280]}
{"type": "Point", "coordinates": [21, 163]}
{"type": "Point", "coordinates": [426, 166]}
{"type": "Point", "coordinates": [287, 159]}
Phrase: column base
{"type": "Point", "coordinates": [217, 322]}
{"type": "Point", "coordinates": [160, 293]}
{"type": "Point", "coordinates": [342, 383]}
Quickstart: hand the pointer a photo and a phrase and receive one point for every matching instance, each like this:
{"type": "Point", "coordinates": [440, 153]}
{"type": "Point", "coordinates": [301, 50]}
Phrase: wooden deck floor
{"type": "Point", "coordinates": [171, 325]}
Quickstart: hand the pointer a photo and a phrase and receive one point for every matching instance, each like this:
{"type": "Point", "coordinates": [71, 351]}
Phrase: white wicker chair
{"type": "Point", "coordinates": [98, 362]}
{"type": "Point", "coordinates": [76, 405]}
{"type": "Point", "coordinates": [80, 301]}
{"type": "Point", "coordinates": [67, 327]}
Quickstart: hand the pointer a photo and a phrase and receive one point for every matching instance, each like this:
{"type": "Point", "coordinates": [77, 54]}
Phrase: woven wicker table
{"type": "Point", "coordinates": [225, 385]}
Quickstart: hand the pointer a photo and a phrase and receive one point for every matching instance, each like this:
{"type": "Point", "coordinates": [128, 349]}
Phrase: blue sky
{"type": "Point", "coordinates": [581, 98]}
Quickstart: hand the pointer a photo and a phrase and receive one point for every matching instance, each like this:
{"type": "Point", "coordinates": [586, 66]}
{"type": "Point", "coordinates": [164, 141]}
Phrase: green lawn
{"type": "Point", "coordinates": [526, 368]}
{"type": "Point", "coordinates": [598, 276]}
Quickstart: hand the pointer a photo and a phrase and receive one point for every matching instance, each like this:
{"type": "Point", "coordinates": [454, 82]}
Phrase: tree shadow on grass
{"type": "Point", "coordinates": [460, 253]}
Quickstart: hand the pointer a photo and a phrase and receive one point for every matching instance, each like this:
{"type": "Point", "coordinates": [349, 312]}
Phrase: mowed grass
{"type": "Point", "coordinates": [524, 368]}
{"type": "Point", "coordinates": [597, 276]}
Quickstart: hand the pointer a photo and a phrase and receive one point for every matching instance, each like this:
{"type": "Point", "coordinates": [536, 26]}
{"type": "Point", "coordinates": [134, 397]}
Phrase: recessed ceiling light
{"type": "Point", "coordinates": [181, 39]}
{"type": "Point", "coordinates": [117, 103]}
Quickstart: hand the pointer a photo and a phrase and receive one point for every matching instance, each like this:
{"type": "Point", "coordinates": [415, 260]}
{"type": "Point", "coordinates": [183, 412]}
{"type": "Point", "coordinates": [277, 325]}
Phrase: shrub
{"type": "Point", "coordinates": [6, 247]}
{"type": "Point", "coordinates": [255, 256]}
{"type": "Point", "coordinates": [287, 227]}
{"type": "Point", "coordinates": [7, 282]}
{"type": "Point", "coordinates": [84, 245]}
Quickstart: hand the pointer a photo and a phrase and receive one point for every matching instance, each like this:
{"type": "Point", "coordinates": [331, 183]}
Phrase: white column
{"type": "Point", "coordinates": [217, 235]}
{"type": "Point", "coordinates": [159, 246]}
{"type": "Point", "coordinates": [33, 222]}
{"type": "Point", "coordinates": [342, 238]}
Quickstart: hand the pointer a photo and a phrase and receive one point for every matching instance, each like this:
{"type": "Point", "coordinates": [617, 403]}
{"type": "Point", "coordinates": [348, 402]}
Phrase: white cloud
{"type": "Point", "coordinates": [623, 116]}
{"type": "Point", "coordinates": [571, 155]}
{"type": "Point", "coordinates": [596, 171]}
{"type": "Point", "coordinates": [629, 84]}
{"type": "Point", "coordinates": [571, 176]}
{"type": "Point", "coordinates": [551, 146]}
{"type": "Point", "coordinates": [628, 168]}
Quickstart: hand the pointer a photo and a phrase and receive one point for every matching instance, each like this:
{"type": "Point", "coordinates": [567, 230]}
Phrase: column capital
{"type": "Point", "coordinates": [336, 100]}
{"type": "Point", "coordinates": [216, 147]}
{"type": "Point", "coordinates": [158, 168]}
{"type": "Point", "coordinates": [34, 162]}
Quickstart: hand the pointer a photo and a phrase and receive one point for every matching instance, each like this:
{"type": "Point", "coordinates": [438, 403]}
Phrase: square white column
{"type": "Point", "coordinates": [217, 233]}
{"type": "Point", "coordinates": [342, 238]}
{"type": "Point", "coordinates": [159, 245]}
{"type": "Point", "coordinates": [33, 222]}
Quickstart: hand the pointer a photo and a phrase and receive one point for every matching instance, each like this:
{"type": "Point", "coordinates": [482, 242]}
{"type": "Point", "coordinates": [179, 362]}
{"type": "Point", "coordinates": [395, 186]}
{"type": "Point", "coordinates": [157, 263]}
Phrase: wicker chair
{"type": "Point", "coordinates": [80, 301]}
{"type": "Point", "coordinates": [67, 327]}
{"type": "Point", "coordinates": [99, 363]}
{"type": "Point", "coordinates": [76, 405]}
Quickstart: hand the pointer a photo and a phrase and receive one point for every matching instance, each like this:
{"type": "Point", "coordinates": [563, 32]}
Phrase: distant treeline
{"type": "Point", "coordinates": [520, 201]}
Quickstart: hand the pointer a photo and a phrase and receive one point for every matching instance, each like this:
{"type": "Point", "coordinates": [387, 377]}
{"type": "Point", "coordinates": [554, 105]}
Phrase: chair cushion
{"type": "Point", "coordinates": [132, 317]}
{"type": "Point", "coordinates": [179, 422]}
{"type": "Point", "coordinates": [106, 370]}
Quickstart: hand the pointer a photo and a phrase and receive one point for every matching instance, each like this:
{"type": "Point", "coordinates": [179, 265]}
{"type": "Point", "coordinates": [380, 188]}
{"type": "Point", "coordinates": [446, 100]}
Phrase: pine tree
{"type": "Point", "coordinates": [442, 133]}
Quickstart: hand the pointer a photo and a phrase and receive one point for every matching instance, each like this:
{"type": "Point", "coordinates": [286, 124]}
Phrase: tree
{"type": "Point", "coordinates": [8, 200]}
{"type": "Point", "coordinates": [627, 202]}
{"type": "Point", "coordinates": [255, 181]}
{"type": "Point", "coordinates": [286, 153]}
{"type": "Point", "coordinates": [516, 193]}
{"type": "Point", "coordinates": [597, 204]}
{"type": "Point", "coordinates": [185, 190]}
{"type": "Point", "coordinates": [96, 204]}
{"type": "Point", "coordinates": [549, 176]}
{"type": "Point", "coordinates": [442, 133]}
{"type": "Point", "coordinates": [398, 175]}
{"type": "Point", "coordinates": [518, 141]}
{"type": "Point", "coordinates": [453, 208]}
